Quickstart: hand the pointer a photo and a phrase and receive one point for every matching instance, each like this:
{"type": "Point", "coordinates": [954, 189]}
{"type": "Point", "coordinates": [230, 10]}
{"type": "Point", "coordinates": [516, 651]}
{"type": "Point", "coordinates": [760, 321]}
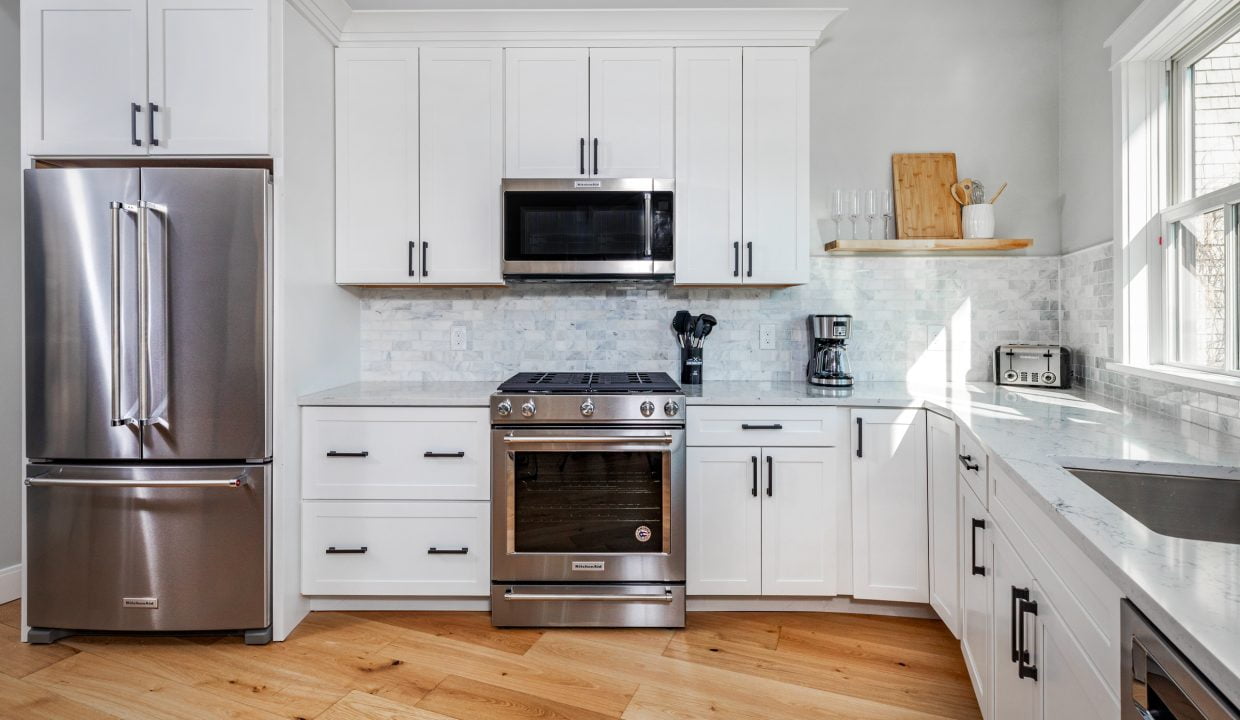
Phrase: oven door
{"type": "Point", "coordinates": [606, 228]}
{"type": "Point", "coordinates": [588, 505]}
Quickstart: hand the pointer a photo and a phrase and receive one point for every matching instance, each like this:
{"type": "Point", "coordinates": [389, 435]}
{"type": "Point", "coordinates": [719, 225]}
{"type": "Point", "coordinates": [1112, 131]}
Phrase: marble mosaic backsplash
{"type": "Point", "coordinates": [919, 318]}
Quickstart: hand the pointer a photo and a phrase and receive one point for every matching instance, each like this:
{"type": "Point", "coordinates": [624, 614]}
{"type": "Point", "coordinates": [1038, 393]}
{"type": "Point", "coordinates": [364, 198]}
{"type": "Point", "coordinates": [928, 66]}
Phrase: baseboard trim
{"type": "Point", "coordinates": [10, 583]}
{"type": "Point", "coordinates": [400, 603]}
{"type": "Point", "coordinates": [839, 604]}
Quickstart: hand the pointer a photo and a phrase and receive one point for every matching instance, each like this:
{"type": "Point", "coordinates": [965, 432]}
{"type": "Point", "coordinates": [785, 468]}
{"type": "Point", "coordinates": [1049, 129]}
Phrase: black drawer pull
{"type": "Point", "coordinates": [361, 453]}
{"type": "Point", "coordinates": [860, 436]}
{"type": "Point", "coordinates": [967, 461]}
{"type": "Point", "coordinates": [754, 490]}
{"type": "Point", "coordinates": [1018, 594]}
{"type": "Point", "coordinates": [1025, 668]}
{"type": "Point", "coordinates": [437, 551]}
{"type": "Point", "coordinates": [977, 525]}
{"type": "Point", "coordinates": [457, 454]}
{"type": "Point", "coordinates": [347, 551]}
{"type": "Point", "coordinates": [770, 476]}
{"type": "Point", "coordinates": [772, 426]}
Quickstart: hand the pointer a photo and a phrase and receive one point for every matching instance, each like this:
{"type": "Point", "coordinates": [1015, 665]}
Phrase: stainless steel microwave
{"type": "Point", "coordinates": [588, 229]}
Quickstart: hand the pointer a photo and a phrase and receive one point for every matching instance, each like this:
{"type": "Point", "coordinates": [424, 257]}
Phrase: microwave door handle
{"type": "Point", "coordinates": [649, 228]}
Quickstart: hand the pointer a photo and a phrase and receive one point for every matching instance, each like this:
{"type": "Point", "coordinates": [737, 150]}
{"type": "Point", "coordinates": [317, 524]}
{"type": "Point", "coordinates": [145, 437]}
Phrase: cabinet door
{"type": "Point", "coordinates": [377, 239]}
{"type": "Point", "coordinates": [976, 573]}
{"type": "Point", "coordinates": [944, 526]}
{"type": "Point", "coordinates": [890, 541]}
{"type": "Point", "coordinates": [799, 496]}
{"type": "Point", "coordinates": [462, 164]}
{"type": "Point", "coordinates": [208, 77]}
{"type": "Point", "coordinates": [546, 112]}
{"type": "Point", "coordinates": [631, 91]}
{"type": "Point", "coordinates": [83, 73]}
{"type": "Point", "coordinates": [1014, 629]}
{"type": "Point", "coordinates": [723, 527]}
{"type": "Point", "coordinates": [775, 155]}
{"type": "Point", "coordinates": [708, 166]}
{"type": "Point", "coordinates": [1071, 685]}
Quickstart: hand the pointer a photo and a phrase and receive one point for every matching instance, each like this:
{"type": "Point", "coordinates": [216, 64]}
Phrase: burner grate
{"type": "Point", "coordinates": [590, 382]}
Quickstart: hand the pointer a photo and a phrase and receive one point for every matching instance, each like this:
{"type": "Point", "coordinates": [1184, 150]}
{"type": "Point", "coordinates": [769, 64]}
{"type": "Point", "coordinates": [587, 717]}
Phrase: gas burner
{"type": "Point", "coordinates": [590, 382]}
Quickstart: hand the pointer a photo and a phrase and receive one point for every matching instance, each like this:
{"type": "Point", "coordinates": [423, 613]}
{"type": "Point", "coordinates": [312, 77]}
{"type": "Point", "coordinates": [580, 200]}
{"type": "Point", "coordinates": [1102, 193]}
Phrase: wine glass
{"type": "Point", "coordinates": [853, 204]}
{"type": "Point", "coordinates": [837, 210]}
{"type": "Point", "coordinates": [871, 212]}
{"type": "Point", "coordinates": [884, 201]}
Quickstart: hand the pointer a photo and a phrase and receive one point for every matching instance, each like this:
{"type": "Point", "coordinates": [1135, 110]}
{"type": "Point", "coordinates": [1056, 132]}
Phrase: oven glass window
{"type": "Point", "coordinates": [588, 502]}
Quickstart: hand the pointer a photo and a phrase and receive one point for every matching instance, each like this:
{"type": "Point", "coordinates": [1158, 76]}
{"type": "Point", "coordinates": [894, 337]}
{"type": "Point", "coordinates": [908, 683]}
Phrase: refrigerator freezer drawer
{"type": "Point", "coordinates": [116, 548]}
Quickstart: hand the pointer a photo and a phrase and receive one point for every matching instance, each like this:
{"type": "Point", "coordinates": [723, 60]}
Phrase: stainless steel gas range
{"type": "Point", "coordinates": [588, 501]}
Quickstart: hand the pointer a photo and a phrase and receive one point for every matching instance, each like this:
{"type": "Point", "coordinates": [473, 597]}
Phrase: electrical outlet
{"type": "Point", "coordinates": [766, 336]}
{"type": "Point", "coordinates": [459, 338]}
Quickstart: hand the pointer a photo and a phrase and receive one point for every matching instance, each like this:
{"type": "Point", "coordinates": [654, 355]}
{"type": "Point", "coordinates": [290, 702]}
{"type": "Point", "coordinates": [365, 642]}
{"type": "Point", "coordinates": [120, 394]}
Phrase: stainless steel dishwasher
{"type": "Point", "coordinates": [1159, 682]}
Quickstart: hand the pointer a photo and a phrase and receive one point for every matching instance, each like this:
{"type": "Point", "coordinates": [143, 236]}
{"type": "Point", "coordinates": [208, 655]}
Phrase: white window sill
{"type": "Point", "coordinates": [1210, 382]}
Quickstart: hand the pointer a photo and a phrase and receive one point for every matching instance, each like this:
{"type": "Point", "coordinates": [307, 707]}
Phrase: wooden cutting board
{"type": "Point", "coordinates": [924, 204]}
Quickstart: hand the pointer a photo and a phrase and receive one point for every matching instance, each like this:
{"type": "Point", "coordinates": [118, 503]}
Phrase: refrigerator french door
{"type": "Point", "coordinates": [148, 409]}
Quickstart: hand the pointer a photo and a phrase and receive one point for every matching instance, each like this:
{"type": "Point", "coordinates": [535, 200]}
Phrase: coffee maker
{"type": "Point", "coordinates": [828, 357]}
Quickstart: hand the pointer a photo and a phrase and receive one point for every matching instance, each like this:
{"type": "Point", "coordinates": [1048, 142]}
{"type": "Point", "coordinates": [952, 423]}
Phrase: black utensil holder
{"type": "Point", "coordinates": [691, 366]}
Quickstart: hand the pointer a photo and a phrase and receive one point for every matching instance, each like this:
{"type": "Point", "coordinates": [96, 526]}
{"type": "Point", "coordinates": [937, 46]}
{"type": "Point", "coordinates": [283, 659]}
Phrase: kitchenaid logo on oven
{"type": "Point", "coordinates": [148, 603]}
{"type": "Point", "coordinates": [589, 565]}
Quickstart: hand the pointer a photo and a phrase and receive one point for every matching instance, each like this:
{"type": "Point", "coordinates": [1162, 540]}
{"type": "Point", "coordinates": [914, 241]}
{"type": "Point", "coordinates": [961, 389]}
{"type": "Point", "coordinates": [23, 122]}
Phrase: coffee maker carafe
{"type": "Point", "coordinates": [828, 357]}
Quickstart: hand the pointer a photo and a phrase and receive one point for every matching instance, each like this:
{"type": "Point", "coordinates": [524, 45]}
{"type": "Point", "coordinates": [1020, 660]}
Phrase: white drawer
{"type": "Point", "coordinates": [410, 453]}
{"type": "Point", "coordinates": [973, 464]}
{"type": "Point", "coordinates": [410, 548]}
{"type": "Point", "coordinates": [766, 426]}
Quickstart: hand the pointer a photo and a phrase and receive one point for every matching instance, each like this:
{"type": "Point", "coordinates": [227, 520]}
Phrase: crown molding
{"type": "Point", "coordinates": [566, 28]}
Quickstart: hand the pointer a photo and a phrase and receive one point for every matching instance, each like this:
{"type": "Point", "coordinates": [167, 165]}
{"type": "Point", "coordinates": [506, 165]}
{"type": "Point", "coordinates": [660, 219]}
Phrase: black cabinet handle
{"type": "Point", "coordinates": [412, 249]}
{"type": "Point", "coordinates": [1018, 594]}
{"type": "Point", "coordinates": [770, 476]}
{"type": "Point", "coordinates": [581, 156]}
{"type": "Point", "coordinates": [736, 259]}
{"type": "Point", "coordinates": [437, 551]}
{"type": "Point", "coordinates": [967, 461]}
{"type": "Point", "coordinates": [860, 431]}
{"type": "Point", "coordinates": [360, 453]}
{"type": "Point", "coordinates": [596, 156]}
{"type": "Point", "coordinates": [134, 109]}
{"type": "Point", "coordinates": [772, 426]}
{"type": "Point", "coordinates": [754, 490]}
{"type": "Point", "coordinates": [749, 270]}
{"type": "Point", "coordinates": [1025, 668]}
{"type": "Point", "coordinates": [457, 454]}
{"type": "Point", "coordinates": [150, 123]}
{"type": "Point", "coordinates": [347, 551]}
{"type": "Point", "coordinates": [977, 525]}
{"type": "Point", "coordinates": [426, 270]}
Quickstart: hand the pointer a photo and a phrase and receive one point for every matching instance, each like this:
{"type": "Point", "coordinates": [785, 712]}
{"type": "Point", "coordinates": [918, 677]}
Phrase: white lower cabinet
{"type": "Point", "coordinates": [890, 538]}
{"type": "Point", "coordinates": [1015, 648]}
{"type": "Point", "coordinates": [759, 521]}
{"type": "Point", "coordinates": [1071, 685]}
{"type": "Point", "coordinates": [944, 499]}
{"type": "Point", "coordinates": [976, 573]}
{"type": "Point", "coordinates": [396, 548]}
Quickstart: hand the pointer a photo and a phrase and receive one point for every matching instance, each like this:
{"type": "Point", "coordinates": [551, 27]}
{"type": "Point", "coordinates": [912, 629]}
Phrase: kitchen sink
{"type": "Point", "coordinates": [1195, 508]}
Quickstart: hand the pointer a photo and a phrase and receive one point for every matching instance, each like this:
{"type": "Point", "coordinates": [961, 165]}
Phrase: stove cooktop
{"type": "Point", "coordinates": [589, 382]}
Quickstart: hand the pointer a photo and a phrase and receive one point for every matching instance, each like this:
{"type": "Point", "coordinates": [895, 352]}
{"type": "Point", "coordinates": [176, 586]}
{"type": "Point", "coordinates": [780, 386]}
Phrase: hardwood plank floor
{"type": "Point", "coordinates": [455, 666]}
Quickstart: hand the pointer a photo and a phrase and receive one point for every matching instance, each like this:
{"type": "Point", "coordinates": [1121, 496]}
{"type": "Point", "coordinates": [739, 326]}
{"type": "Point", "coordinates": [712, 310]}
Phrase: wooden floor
{"type": "Point", "coordinates": [433, 666]}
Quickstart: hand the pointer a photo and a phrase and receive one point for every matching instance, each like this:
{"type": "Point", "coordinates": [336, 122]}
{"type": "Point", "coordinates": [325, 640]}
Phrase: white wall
{"type": "Point", "coordinates": [11, 453]}
{"type": "Point", "coordinates": [1085, 127]}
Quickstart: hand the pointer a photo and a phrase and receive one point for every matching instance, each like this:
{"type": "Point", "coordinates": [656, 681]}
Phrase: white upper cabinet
{"type": "Point", "coordinates": [708, 166]}
{"type": "Point", "coordinates": [547, 111]}
{"type": "Point", "coordinates": [890, 540]}
{"type": "Point", "coordinates": [462, 138]}
{"type": "Point", "coordinates": [944, 526]}
{"type": "Point", "coordinates": [132, 77]}
{"type": "Point", "coordinates": [631, 92]}
{"type": "Point", "coordinates": [208, 77]}
{"type": "Point", "coordinates": [83, 77]}
{"type": "Point", "coordinates": [799, 555]}
{"type": "Point", "coordinates": [581, 112]}
{"type": "Point", "coordinates": [775, 178]}
{"type": "Point", "coordinates": [377, 239]}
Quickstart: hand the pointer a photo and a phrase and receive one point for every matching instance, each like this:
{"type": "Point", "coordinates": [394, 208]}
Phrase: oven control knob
{"type": "Point", "coordinates": [504, 408]}
{"type": "Point", "coordinates": [587, 408]}
{"type": "Point", "coordinates": [647, 408]}
{"type": "Point", "coordinates": [529, 408]}
{"type": "Point", "coordinates": [671, 407]}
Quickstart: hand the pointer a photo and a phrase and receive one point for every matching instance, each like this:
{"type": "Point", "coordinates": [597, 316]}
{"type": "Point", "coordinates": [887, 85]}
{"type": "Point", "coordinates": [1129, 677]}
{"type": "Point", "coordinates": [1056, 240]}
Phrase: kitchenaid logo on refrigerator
{"type": "Point", "coordinates": [589, 565]}
{"type": "Point", "coordinates": [149, 603]}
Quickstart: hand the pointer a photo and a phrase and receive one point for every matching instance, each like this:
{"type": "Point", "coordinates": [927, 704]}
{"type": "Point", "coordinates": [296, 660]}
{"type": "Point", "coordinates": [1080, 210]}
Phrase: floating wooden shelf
{"type": "Point", "coordinates": [923, 245]}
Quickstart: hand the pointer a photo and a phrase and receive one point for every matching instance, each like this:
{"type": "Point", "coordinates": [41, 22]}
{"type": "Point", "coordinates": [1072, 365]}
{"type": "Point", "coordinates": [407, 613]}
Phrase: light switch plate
{"type": "Point", "coordinates": [766, 336]}
{"type": "Point", "coordinates": [459, 337]}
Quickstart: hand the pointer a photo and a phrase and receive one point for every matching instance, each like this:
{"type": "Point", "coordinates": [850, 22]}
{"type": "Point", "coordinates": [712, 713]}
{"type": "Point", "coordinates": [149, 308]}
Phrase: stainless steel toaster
{"type": "Point", "coordinates": [1037, 365]}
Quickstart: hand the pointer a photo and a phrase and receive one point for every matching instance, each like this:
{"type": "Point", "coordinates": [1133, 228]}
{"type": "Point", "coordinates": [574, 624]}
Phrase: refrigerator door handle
{"type": "Point", "coordinates": [41, 481]}
{"type": "Point", "coordinates": [115, 209]}
{"type": "Point", "coordinates": [145, 356]}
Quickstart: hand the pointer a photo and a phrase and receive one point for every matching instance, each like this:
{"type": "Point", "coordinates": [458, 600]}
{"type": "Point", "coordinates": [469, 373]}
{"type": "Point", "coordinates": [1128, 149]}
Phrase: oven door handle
{"type": "Point", "coordinates": [586, 440]}
{"type": "Point", "coordinates": [666, 597]}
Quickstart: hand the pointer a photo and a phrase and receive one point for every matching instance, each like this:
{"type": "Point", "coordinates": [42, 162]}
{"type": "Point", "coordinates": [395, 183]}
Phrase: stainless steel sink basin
{"type": "Point", "coordinates": [1195, 508]}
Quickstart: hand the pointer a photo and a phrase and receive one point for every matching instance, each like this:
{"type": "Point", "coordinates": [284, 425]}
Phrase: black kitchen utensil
{"type": "Point", "coordinates": [708, 322]}
{"type": "Point", "coordinates": [680, 323]}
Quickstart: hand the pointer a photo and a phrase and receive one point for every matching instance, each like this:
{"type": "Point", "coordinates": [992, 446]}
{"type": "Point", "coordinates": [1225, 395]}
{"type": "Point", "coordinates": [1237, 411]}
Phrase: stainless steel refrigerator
{"type": "Point", "coordinates": [148, 401]}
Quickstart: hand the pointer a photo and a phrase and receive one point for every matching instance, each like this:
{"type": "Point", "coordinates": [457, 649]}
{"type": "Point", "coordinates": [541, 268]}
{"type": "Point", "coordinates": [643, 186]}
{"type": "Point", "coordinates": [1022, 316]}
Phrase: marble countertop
{"type": "Point", "coordinates": [1190, 589]}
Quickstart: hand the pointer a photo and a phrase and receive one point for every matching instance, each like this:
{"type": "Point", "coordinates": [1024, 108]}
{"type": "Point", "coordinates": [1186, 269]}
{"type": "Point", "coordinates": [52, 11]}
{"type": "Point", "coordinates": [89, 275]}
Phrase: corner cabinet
{"type": "Point", "coordinates": [145, 77]}
{"type": "Point", "coordinates": [742, 166]}
{"type": "Point", "coordinates": [418, 166]}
